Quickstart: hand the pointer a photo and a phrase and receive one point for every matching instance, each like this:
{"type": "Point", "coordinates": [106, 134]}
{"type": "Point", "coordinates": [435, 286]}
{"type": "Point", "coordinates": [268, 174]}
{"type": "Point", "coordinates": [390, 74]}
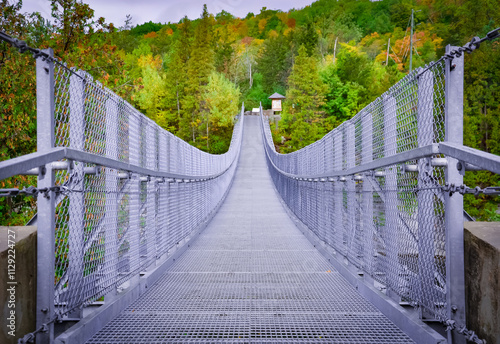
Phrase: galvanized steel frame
{"type": "Point", "coordinates": [422, 137]}
{"type": "Point", "coordinates": [45, 204]}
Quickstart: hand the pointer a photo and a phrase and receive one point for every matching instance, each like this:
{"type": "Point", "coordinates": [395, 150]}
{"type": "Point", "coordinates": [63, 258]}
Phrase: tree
{"type": "Point", "coordinates": [176, 80]}
{"type": "Point", "coordinates": [482, 124]}
{"type": "Point", "coordinates": [302, 113]}
{"type": "Point", "coordinates": [354, 67]}
{"type": "Point", "coordinates": [223, 17]}
{"type": "Point", "coordinates": [342, 99]}
{"type": "Point", "coordinates": [222, 98]}
{"type": "Point", "coordinates": [256, 94]}
{"type": "Point", "coordinates": [17, 111]}
{"type": "Point", "coordinates": [308, 37]}
{"type": "Point", "coordinates": [80, 42]}
{"type": "Point", "coordinates": [200, 66]}
{"type": "Point", "coordinates": [274, 64]}
{"type": "Point", "coordinates": [73, 20]}
{"type": "Point", "coordinates": [128, 22]}
{"type": "Point", "coordinates": [242, 63]}
{"type": "Point", "coordinates": [224, 38]}
{"type": "Point", "coordinates": [343, 27]}
{"type": "Point", "coordinates": [152, 91]}
{"type": "Point", "coordinates": [185, 39]}
{"type": "Point", "coordinates": [143, 29]}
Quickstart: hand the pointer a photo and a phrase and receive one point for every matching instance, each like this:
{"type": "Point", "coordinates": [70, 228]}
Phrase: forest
{"type": "Point", "coordinates": [330, 59]}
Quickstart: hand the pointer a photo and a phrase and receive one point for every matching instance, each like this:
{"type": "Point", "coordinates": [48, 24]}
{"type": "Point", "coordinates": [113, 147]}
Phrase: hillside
{"type": "Point", "coordinates": [191, 76]}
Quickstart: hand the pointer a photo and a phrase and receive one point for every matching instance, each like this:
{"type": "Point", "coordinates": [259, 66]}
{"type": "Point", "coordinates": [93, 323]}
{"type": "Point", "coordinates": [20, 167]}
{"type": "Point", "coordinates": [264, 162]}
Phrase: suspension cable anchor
{"type": "Point", "coordinates": [471, 335]}
{"type": "Point", "coordinates": [450, 325]}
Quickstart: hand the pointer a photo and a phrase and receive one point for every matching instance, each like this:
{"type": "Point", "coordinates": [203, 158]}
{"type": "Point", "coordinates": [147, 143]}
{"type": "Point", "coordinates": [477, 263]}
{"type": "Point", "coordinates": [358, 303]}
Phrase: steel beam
{"type": "Point", "coordinates": [45, 312]}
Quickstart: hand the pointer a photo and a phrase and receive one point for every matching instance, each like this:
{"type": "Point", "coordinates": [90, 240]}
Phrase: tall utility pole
{"type": "Point", "coordinates": [250, 73]}
{"type": "Point", "coordinates": [411, 39]}
{"type": "Point", "coordinates": [387, 56]}
{"type": "Point", "coordinates": [335, 50]}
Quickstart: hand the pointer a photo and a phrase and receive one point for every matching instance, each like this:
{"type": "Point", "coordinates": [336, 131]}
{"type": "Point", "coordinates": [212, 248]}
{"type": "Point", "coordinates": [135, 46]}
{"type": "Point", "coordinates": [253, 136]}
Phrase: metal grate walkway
{"type": "Point", "coordinates": [251, 277]}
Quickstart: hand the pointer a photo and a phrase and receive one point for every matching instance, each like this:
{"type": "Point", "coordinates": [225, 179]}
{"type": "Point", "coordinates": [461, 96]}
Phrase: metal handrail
{"type": "Point", "coordinates": [20, 165]}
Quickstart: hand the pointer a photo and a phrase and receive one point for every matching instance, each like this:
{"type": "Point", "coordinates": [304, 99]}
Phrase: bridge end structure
{"type": "Point", "coordinates": [386, 196]}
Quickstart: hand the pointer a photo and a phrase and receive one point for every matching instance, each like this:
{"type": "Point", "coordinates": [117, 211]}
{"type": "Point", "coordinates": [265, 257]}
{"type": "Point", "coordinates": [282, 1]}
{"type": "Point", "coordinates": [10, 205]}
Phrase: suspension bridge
{"type": "Point", "coordinates": [357, 238]}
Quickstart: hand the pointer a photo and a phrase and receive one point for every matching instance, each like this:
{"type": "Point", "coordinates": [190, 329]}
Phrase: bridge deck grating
{"type": "Point", "coordinates": [251, 277]}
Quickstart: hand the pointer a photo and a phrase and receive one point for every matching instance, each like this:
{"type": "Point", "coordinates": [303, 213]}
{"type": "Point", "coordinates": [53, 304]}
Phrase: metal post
{"type": "Point", "coordinates": [45, 203]}
{"type": "Point", "coordinates": [134, 230]}
{"type": "Point", "coordinates": [190, 190]}
{"type": "Point", "coordinates": [76, 199]}
{"type": "Point", "coordinates": [163, 196]}
{"type": "Point", "coordinates": [339, 193]}
{"type": "Point", "coordinates": [166, 153]}
{"type": "Point", "coordinates": [151, 162]}
{"type": "Point", "coordinates": [455, 281]}
{"type": "Point", "coordinates": [350, 187]}
{"type": "Point", "coordinates": [391, 230]}
{"type": "Point", "coordinates": [368, 227]}
{"type": "Point", "coordinates": [335, 49]}
{"type": "Point", "coordinates": [328, 154]}
{"type": "Point", "coordinates": [426, 217]}
{"type": "Point", "coordinates": [169, 222]}
{"type": "Point", "coordinates": [173, 147]}
{"type": "Point", "coordinates": [329, 209]}
{"type": "Point", "coordinates": [387, 55]}
{"type": "Point", "coordinates": [324, 211]}
{"type": "Point", "coordinates": [177, 206]}
{"type": "Point", "coordinates": [112, 211]}
{"type": "Point", "coordinates": [183, 208]}
{"type": "Point", "coordinates": [329, 191]}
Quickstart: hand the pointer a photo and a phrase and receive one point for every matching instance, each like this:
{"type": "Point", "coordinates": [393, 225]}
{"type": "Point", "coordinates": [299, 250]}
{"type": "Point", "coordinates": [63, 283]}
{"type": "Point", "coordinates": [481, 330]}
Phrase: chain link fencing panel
{"type": "Point", "coordinates": [388, 222]}
{"type": "Point", "coordinates": [112, 224]}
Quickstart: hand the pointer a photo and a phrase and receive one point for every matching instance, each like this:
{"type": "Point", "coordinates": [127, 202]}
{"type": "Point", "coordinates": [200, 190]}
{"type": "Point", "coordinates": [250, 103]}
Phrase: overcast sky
{"type": "Point", "coordinates": [164, 11]}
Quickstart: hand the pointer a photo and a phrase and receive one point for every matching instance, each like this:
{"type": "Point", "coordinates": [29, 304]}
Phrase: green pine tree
{"type": "Point", "coordinates": [274, 64]}
{"type": "Point", "coordinates": [302, 115]}
{"type": "Point", "coordinates": [176, 80]}
{"type": "Point", "coordinates": [223, 101]}
{"type": "Point", "coordinates": [200, 66]}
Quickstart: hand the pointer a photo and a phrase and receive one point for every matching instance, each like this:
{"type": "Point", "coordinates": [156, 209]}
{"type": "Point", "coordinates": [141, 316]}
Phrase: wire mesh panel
{"type": "Point", "coordinates": [252, 277]}
{"type": "Point", "coordinates": [389, 221]}
{"type": "Point", "coordinates": [418, 92]}
{"type": "Point", "coordinates": [112, 224]}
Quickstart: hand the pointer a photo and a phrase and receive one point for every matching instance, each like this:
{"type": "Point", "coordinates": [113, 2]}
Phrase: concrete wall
{"type": "Point", "coordinates": [482, 279]}
{"type": "Point", "coordinates": [24, 291]}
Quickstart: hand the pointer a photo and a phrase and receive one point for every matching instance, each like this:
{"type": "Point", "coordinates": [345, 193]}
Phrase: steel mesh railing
{"type": "Point", "coordinates": [89, 117]}
{"type": "Point", "coordinates": [386, 221]}
{"type": "Point", "coordinates": [112, 224]}
{"type": "Point", "coordinates": [363, 138]}
{"type": "Point", "coordinates": [381, 190]}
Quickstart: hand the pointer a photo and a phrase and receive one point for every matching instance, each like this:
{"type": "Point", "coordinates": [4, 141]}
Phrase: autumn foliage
{"type": "Point", "coordinates": [330, 60]}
